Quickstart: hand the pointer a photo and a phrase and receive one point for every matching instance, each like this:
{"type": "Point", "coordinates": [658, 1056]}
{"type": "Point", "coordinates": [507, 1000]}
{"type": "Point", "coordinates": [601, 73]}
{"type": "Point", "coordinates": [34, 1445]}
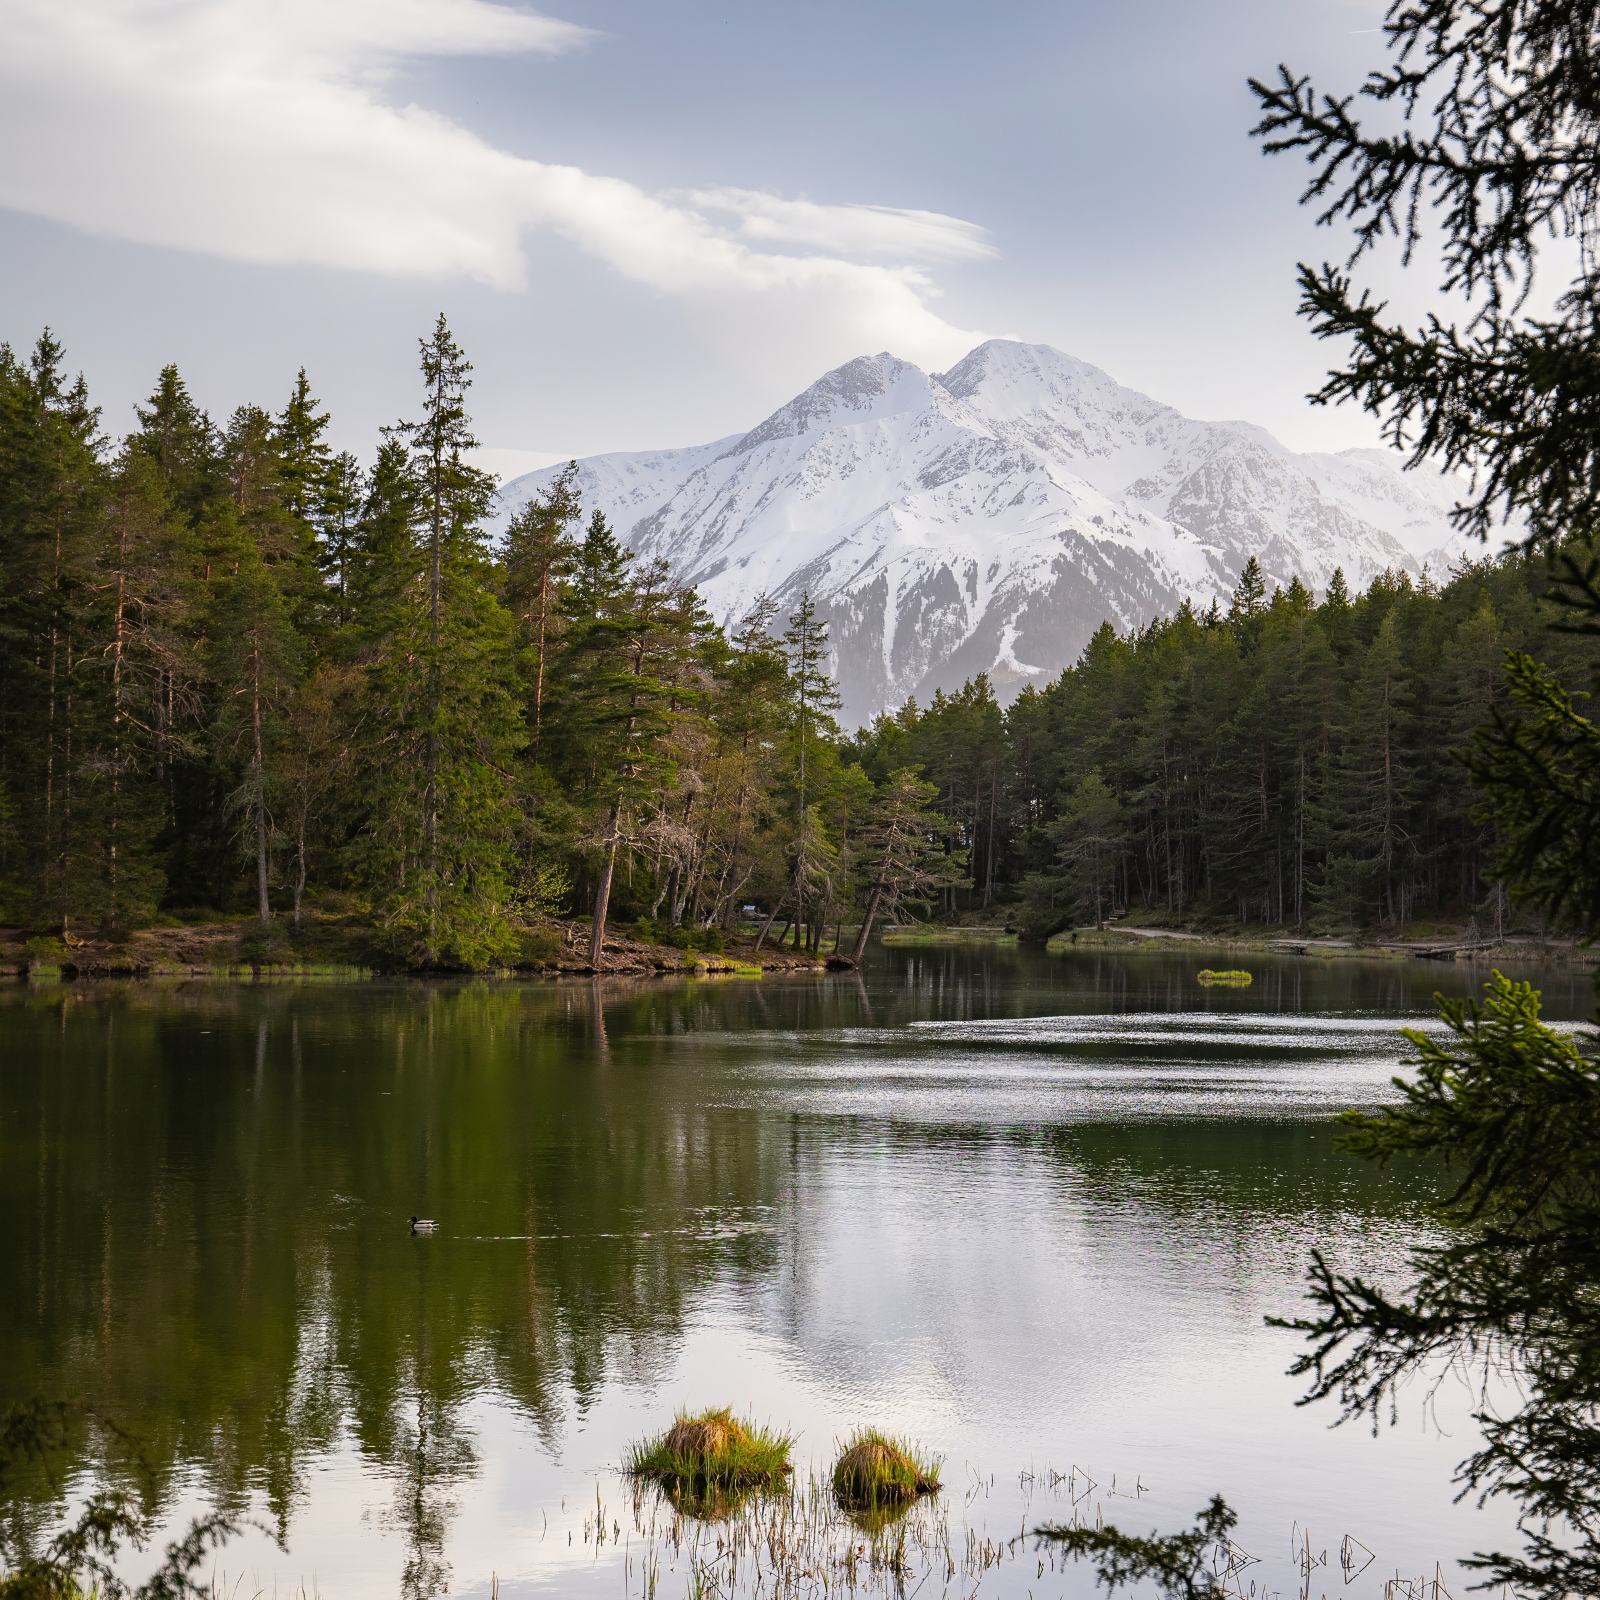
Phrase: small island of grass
{"type": "Point", "coordinates": [1237, 977]}
{"type": "Point", "coordinates": [875, 1472]}
{"type": "Point", "coordinates": [713, 1451]}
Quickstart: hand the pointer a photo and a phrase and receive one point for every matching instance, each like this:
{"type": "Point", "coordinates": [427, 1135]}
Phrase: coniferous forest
{"type": "Point", "coordinates": [243, 675]}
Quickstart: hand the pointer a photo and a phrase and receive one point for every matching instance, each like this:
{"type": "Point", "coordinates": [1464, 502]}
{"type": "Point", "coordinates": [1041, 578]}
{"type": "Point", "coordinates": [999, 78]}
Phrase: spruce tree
{"type": "Point", "coordinates": [539, 555]}
{"type": "Point", "coordinates": [305, 460]}
{"type": "Point", "coordinates": [180, 439]}
{"type": "Point", "coordinates": [147, 591]}
{"type": "Point", "coordinates": [1373, 787]}
{"type": "Point", "coordinates": [1498, 103]}
{"type": "Point", "coordinates": [813, 699]}
{"type": "Point", "coordinates": [338, 520]}
{"type": "Point", "coordinates": [901, 859]}
{"type": "Point", "coordinates": [444, 725]}
{"type": "Point", "coordinates": [52, 701]}
{"type": "Point", "coordinates": [385, 559]}
{"type": "Point", "coordinates": [254, 662]}
{"type": "Point", "coordinates": [628, 677]}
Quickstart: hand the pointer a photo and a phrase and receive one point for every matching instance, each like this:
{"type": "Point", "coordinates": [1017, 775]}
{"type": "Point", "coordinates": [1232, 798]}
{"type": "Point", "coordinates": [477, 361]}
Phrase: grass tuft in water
{"type": "Point", "coordinates": [713, 1451]}
{"type": "Point", "coordinates": [1235, 976]}
{"type": "Point", "coordinates": [875, 1472]}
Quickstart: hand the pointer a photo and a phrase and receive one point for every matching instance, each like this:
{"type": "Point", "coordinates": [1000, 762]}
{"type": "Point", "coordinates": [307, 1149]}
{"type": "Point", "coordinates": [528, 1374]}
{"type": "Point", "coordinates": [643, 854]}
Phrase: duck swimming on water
{"type": "Point", "coordinates": [423, 1225]}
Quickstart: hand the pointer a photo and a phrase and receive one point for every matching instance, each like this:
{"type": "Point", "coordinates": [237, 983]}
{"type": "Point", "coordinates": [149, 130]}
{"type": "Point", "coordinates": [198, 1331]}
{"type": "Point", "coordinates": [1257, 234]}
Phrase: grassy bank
{"type": "Point", "coordinates": [333, 941]}
{"type": "Point", "coordinates": [930, 933]}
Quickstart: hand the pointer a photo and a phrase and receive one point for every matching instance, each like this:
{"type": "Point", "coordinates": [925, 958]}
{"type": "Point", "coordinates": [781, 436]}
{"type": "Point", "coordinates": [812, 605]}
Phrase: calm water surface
{"type": "Point", "coordinates": [1028, 1209]}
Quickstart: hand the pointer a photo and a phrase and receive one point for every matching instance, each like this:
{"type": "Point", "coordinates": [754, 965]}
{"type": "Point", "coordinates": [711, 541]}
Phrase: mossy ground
{"type": "Point", "coordinates": [712, 1453]}
{"type": "Point", "coordinates": [875, 1472]}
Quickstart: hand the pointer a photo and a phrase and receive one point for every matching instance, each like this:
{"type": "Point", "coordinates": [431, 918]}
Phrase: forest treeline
{"type": "Point", "coordinates": [1281, 761]}
{"type": "Point", "coordinates": [238, 670]}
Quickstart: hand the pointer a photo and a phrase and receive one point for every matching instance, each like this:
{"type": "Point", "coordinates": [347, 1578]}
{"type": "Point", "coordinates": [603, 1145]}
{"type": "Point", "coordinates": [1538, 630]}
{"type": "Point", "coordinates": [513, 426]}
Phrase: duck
{"type": "Point", "coordinates": [423, 1225]}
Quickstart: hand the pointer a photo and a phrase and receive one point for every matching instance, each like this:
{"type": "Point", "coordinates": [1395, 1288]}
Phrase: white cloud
{"type": "Point", "coordinates": [877, 231]}
{"type": "Point", "coordinates": [259, 130]}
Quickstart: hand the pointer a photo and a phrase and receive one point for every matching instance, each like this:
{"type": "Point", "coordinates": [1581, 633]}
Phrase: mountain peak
{"type": "Point", "coordinates": [1005, 378]}
{"type": "Point", "coordinates": [991, 518]}
{"type": "Point", "coordinates": [868, 387]}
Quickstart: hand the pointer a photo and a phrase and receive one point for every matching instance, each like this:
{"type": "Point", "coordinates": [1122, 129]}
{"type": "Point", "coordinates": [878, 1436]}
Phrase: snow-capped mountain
{"type": "Point", "coordinates": [989, 518]}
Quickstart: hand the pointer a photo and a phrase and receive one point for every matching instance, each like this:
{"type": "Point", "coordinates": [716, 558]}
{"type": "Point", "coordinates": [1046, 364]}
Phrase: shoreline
{"type": "Point", "coordinates": [347, 950]}
{"type": "Point", "coordinates": [1529, 950]}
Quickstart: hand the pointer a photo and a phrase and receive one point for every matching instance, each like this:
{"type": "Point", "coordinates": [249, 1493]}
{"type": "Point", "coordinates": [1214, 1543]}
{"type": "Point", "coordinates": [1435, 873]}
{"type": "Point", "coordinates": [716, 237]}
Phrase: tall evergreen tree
{"type": "Point", "coordinates": [900, 856]}
{"type": "Point", "coordinates": [444, 726]}
{"type": "Point", "coordinates": [51, 706]}
{"type": "Point", "coordinates": [814, 699]}
{"type": "Point", "coordinates": [539, 555]}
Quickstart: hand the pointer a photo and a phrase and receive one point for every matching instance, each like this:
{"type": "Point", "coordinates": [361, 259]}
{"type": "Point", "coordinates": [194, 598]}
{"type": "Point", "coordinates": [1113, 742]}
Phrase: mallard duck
{"type": "Point", "coordinates": [423, 1225]}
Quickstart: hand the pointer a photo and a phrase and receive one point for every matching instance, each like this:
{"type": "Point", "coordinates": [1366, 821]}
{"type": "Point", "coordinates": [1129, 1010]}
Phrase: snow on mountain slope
{"type": "Point", "coordinates": [991, 517]}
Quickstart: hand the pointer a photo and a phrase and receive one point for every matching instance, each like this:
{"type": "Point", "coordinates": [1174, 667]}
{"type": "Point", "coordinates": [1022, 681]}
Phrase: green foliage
{"type": "Point", "coordinates": [80, 1559]}
{"type": "Point", "coordinates": [1499, 144]}
{"type": "Point", "coordinates": [1175, 1563]}
{"type": "Point", "coordinates": [1538, 760]}
{"type": "Point", "coordinates": [1512, 1108]}
{"type": "Point", "coordinates": [902, 861]}
{"type": "Point", "coordinates": [712, 940]}
{"type": "Point", "coordinates": [430, 849]}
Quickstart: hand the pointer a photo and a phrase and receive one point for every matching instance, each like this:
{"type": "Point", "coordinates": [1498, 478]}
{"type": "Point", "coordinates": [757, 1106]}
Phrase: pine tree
{"type": "Point", "coordinates": [814, 699]}
{"type": "Point", "coordinates": [51, 704]}
{"type": "Point", "coordinates": [315, 751]}
{"type": "Point", "coordinates": [1247, 610]}
{"type": "Point", "coordinates": [338, 519]}
{"type": "Point", "coordinates": [900, 853]}
{"type": "Point", "coordinates": [1373, 787]}
{"type": "Point", "coordinates": [146, 584]}
{"type": "Point", "coordinates": [748, 714]}
{"type": "Point", "coordinates": [1089, 836]}
{"type": "Point", "coordinates": [444, 726]}
{"type": "Point", "coordinates": [385, 558]}
{"type": "Point", "coordinates": [629, 675]}
{"type": "Point", "coordinates": [539, 555]}
{"type": "Point", "coordinates": [254, 663]}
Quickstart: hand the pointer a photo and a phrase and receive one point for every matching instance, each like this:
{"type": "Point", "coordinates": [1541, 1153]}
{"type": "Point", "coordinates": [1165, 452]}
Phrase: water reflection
{"type": "Point", "coordinates": [209, 1186]}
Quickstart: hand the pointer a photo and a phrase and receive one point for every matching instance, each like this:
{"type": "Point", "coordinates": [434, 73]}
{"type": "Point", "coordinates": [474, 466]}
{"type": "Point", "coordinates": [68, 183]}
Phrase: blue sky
{"type": "Point", "coordinates": [651, 224]}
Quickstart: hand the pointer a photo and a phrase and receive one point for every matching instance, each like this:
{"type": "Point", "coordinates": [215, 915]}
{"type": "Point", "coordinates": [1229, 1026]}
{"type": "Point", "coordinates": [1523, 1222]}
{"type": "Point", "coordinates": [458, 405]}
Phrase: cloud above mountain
{"type": "Point", "coordinates": [276, 131]}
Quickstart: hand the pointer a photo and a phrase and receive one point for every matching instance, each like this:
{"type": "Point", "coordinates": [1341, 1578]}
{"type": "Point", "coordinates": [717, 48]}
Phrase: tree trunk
{"type": "Point", "coordinates": [538, 682]}
{"type": "Point", "coordinates": [602, 894]}
{"type": "Point", "coordinates": [766, 927]}
{"type": "Point", "coordinates": [866, 921]}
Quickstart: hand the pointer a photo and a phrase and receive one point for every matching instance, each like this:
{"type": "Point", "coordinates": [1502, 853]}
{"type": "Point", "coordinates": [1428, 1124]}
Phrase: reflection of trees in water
{"type": "Point", "coordinates": [216, 1251]}
{"type": "Point", "coordinates": [432, 1454]}
{"type": "Point", "coordinates": [212, 1182]}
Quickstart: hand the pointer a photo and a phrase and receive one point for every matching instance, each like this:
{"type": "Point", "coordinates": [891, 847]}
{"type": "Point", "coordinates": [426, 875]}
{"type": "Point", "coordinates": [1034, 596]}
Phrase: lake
{"type": "Point", "coordinates": [1029, 1210]}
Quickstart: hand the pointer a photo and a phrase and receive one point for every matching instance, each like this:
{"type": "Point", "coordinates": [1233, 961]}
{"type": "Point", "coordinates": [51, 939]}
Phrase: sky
{"type": "Point", "coordinates": [651, 224]}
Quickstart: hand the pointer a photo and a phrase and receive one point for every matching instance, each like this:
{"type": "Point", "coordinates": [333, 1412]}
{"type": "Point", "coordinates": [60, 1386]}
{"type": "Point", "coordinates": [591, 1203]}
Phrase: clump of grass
{"type": "Point", "coordinates": [875, 1472]}
{"type": "Point", "coordinates": [1235, 976]}
{"type": "Point", "coordinates": [713, 1452]}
